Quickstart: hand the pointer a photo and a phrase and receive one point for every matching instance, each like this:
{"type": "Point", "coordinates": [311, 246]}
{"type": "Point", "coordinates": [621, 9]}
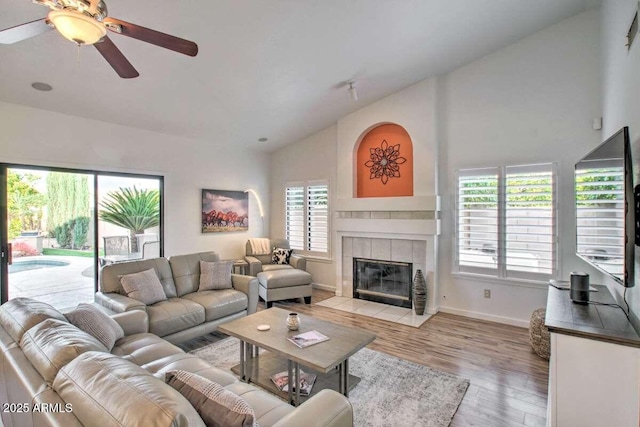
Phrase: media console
{"type": "Point", "coordinates": [594, 371]}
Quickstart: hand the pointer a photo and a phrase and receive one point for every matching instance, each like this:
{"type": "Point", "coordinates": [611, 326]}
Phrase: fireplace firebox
{"type": "Point", "coordinates": [382, 281]}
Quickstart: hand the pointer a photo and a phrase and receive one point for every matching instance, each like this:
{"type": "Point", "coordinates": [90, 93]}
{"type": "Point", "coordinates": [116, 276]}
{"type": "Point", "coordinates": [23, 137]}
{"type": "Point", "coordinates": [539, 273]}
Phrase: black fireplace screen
{"type": "Point", "coordinates": [382, 281]}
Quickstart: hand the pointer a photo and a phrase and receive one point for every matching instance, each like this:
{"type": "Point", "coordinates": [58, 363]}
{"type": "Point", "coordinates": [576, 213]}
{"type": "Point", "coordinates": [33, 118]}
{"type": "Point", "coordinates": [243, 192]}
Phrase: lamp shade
{"type": "Point", "coordinates": [77, 27]}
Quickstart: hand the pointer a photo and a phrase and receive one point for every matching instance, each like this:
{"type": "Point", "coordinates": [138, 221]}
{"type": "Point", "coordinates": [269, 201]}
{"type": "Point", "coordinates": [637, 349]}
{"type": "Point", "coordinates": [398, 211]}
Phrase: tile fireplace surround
{"type": "Point", "coordinates": [399, 250]}
{"type": "Point", "coordinates": [404, 236]}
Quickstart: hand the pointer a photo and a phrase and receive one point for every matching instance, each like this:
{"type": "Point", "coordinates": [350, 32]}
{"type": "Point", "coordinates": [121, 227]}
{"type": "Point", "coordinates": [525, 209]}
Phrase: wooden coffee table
{"type": "Point", "coordinates": [329, 360]}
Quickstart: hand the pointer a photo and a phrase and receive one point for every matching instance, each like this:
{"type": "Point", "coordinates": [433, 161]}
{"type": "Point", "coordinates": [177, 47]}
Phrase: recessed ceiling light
{"type": "Point", "coordinates": [263, 139]}
{"type": "Point", "coordinates": [41, 86]}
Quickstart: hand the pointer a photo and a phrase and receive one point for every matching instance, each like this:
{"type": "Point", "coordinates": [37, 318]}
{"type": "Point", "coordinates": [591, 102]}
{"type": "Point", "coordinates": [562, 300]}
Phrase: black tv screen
{"type": "Point", "coordinates": [605, 220]}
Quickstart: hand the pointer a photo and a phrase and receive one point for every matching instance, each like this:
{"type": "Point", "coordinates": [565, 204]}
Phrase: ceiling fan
{"type": "Point", "coordinates": [85, 22]}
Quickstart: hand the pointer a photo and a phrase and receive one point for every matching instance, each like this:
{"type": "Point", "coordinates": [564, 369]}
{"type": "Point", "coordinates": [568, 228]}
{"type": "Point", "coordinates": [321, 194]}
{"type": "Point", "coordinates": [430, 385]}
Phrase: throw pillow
{"type": "Point", "coordinates": [143, 286]}
{"type": "Point", "coordinates": [215, 275]}
{"type": "Point", "coordinates": [216, 405]}
{"type": "Point", "coordinates": [281, 255]}
{"type": "Point", "coordinates": [96, 323]}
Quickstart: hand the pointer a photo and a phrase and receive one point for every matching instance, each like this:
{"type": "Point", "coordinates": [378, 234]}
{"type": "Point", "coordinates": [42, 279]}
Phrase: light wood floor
{"type": "Point", "coordinates": [508, 380]}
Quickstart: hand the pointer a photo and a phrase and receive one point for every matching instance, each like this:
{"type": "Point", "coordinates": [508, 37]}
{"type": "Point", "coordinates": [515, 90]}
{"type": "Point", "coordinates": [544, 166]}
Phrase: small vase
{"type": "Point", "coordinates": [293, 321]}
{"type": "Point", "coordinates": [419, 293]}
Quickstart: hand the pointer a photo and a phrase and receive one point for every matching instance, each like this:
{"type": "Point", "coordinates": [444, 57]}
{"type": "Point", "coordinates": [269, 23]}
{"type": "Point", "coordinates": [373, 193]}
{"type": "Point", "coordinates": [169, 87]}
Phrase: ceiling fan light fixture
{"type": "Point", "coordinates": [77, 27]}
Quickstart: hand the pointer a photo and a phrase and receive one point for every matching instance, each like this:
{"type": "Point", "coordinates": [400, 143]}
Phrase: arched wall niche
{"type": "Point", "coordinates": [383, 160]}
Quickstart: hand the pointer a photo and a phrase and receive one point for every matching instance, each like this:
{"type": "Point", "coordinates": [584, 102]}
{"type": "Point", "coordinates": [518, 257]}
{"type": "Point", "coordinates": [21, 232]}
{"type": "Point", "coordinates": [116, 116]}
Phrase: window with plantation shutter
{"type": "Point", "coordinates": [307, 217]}
{"type": "Point", "coordinates": [506, 222]}
{"type": "Point", "coordinates": [530, 223]}
{"type": "Point", "coordinates": [600, 215]}
{"type": "Point", "coordinates": [478, 221]}
{"type": "Point", "coordinates": [318, 218]}
{"type": "Point", "coordinates": [295, 217]}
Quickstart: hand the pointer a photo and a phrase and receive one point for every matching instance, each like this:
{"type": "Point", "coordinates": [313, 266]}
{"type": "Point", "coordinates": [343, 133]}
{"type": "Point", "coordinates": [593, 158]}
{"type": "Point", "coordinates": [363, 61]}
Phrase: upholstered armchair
{"type": "Point", "coordinates": [278, 281]}
{"type": "Point", "coordinates": [259, 262]}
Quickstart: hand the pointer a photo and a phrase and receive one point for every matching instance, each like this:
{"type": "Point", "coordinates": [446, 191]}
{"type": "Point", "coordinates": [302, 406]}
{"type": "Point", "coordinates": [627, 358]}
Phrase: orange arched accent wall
{"type": "Point", "coordinates": [384, 163]}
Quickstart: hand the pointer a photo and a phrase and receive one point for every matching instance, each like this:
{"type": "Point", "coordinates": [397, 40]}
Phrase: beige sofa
{"type": "Point", "coordinates": [54, 374]}
{"type": "Point", "coordinates": [186, 313]}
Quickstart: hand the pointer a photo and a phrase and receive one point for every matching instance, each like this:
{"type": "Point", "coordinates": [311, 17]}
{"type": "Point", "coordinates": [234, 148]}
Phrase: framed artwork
{"type": "Point", "coordinates": [224, 211]}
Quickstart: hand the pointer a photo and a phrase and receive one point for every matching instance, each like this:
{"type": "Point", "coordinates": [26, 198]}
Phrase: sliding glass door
{"type": "Point", "coordinates": [49, 219]}
{"type": "Point", "coordinates": [59, 226]}
{"type": "Point", "coordinates": [128, 218]}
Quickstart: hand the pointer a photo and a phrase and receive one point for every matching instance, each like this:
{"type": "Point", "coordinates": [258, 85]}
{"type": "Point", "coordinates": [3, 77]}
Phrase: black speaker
{"type": "Point", "coordinates": [579, 288]}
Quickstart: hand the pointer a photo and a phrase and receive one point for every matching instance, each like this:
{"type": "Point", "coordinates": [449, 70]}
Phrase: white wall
{"type": "Point", "coordinates": [413, 109]}
{"type": "Point", "coordinates": [328, 154]}
{"type": "Point", "coordinates": [313, 158]}
{"type": "Point", "coordinates": [531, 102]}
{"type": "Point", "coordinates": [620, 90]}
{"type": "Point", "coordinates": [38, 137]}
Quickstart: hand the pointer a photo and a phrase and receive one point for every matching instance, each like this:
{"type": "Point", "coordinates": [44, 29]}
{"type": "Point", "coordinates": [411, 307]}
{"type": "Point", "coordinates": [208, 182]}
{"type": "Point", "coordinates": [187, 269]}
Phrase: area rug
{"type": "Point", "coordinates": [392, 391]}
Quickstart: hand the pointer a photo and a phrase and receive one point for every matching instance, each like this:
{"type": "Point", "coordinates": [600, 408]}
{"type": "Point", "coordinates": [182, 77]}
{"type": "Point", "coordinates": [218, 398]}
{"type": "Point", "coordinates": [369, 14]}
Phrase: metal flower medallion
{"type": "Point", "coordinates": [385, 161]}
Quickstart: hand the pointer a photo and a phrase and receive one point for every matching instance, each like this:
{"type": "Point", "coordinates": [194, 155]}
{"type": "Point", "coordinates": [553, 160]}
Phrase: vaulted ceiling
{"type": "Point", "coordinates": [265, 68]}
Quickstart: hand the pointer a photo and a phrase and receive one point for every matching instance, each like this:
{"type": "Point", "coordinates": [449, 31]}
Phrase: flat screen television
{"type": "Point", "coordinates": [605, 208]}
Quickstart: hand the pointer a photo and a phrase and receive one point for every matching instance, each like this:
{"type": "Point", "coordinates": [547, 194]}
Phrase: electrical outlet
{"type": "Point", "coordinates": [487, 293]}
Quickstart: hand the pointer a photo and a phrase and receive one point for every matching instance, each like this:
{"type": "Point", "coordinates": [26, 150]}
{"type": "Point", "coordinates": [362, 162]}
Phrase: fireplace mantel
{"type": "Point", "coordinates": [376, 227]}
{"type": "Point", "coordinates": [413, 203]}
{"type": "Point", "coordinates": [418, 215]}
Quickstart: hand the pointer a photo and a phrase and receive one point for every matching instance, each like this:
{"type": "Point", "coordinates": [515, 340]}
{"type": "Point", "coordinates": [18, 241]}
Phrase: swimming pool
{"type": "Point", "coordinates": [35, 264]}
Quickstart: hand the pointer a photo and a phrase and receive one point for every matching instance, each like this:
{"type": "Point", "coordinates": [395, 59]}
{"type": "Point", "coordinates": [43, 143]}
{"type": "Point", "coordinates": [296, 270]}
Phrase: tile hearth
{"type": "Point", "coordinates": [404, 316]}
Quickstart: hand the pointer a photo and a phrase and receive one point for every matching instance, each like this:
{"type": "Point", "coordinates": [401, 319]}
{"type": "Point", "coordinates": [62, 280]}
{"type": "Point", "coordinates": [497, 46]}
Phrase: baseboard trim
{"type": "Point", "coordinates": [323, 287]}
{"type": "Point", "coordinates": [433, 310]}
{"type": "Point", "coordinates": [484, 316]}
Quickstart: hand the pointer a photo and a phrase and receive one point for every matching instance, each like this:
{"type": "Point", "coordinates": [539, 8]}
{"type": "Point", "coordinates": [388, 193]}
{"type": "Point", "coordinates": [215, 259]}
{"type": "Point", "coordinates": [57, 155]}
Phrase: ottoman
{"type": "Point", "coordinates": [277, 285]}
{"type": "Point", "coordinates": [539, 336]}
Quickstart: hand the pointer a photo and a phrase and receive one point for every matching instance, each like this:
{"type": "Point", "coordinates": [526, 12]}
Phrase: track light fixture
{"type": "Point", "coordinates": [352, 90]}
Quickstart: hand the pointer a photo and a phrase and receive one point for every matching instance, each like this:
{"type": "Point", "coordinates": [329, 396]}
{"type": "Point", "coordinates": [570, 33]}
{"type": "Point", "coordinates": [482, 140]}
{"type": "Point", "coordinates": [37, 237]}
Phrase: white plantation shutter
{"type": "Point", "coordinates": [318, 218]}
{"type": "Point", "coordinates": [506, 221]}
{"type": "Point", "coordinates": [530, 223]}
{"type": "Point", "coordinates": [600, 215]}
{"type": "Point", "coordinates": [295, 216]}
{"type": "Point", "coordinates": [478, 220]}
{"type": "Point", "coordinates": [307, 217]}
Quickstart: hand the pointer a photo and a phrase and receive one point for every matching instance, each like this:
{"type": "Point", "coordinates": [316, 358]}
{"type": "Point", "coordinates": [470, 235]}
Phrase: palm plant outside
{"type": "Point", "coordinates": [133, 209]}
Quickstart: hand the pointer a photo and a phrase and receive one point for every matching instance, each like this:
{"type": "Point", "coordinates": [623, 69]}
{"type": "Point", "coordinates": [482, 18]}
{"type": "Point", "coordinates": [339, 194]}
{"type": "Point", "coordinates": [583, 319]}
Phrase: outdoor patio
{"type": "Point", "coordinates": [64, 287]}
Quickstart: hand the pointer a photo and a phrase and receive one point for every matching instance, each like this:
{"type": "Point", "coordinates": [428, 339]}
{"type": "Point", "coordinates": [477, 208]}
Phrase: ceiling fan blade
{"type": "Point", "coordinates": [24, 31]}
{"type": "Point", "coordinates": [154, 37]}
{"type": "Point", "coordinates": [116, 59]}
